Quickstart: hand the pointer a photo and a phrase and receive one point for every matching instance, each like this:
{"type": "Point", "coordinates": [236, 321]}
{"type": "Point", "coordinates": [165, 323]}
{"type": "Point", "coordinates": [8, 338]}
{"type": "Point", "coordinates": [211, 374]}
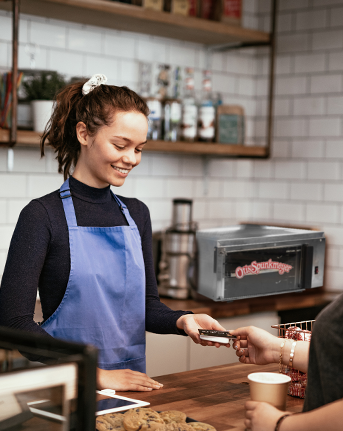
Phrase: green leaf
{"type": "Point", "coordinates": [43, 86]}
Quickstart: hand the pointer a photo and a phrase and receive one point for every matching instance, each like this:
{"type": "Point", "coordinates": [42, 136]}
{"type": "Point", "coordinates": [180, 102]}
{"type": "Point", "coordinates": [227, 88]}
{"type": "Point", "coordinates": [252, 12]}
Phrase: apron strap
{"type": "Point", "coordinates": [124, 210]}
{"type": "Point", "coordinates": [68, 206]}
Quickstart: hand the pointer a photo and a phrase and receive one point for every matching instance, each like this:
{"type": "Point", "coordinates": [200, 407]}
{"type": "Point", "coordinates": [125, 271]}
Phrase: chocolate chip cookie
{"type": "Point", "coordinates": [170, 416]}
{"type": "Point", "coordinates": [201, 426]}
{"type": "Point", "coordinates": [142, 419]}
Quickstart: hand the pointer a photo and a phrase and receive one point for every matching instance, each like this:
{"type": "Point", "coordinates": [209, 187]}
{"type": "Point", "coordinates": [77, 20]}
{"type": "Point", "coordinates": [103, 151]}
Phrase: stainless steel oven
{"type": "Point", "coordinates": [247, 261]}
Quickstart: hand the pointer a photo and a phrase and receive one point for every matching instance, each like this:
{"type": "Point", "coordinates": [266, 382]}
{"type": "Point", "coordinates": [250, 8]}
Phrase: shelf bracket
{"type": "Point", "coordinates": [271, 77]}
{"type": "Point", "coordinates": [15, 32]}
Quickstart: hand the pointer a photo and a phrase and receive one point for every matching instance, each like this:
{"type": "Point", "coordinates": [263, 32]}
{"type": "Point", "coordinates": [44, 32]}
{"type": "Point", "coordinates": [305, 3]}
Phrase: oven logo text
{"type": "Point", "coordinates": [255, 268]}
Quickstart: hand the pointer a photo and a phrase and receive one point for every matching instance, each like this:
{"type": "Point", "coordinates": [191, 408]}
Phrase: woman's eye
{"type": "Point", "coordinates": [138, 150]}
{"type": "Point", "coordinates": [119, 147]}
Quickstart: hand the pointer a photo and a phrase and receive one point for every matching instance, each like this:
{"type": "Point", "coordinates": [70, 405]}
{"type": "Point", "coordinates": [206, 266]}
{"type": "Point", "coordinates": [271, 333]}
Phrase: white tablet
{"type": "Point", "coordinates": [109, 403]}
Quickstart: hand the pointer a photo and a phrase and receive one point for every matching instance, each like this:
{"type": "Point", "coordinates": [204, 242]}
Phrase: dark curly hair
{"type": "Point", "coordinates": [94, 109]}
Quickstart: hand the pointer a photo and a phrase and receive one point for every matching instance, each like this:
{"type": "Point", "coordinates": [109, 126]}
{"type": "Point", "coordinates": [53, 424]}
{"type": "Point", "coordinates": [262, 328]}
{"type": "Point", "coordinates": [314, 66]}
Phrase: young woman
{"type": "Point", "coordinates": [89, 251]}
{"type": "Point", "coordinates": [321, 359]}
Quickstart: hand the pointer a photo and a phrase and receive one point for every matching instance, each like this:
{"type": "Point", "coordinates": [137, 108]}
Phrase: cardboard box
{"type": "Point", "coordinates": [153, 4]}
{"type": "Point", "coordinates": [232, 12]}
{"type": "Point", "coordinates": [230, 124]}
{"type": "Point", "coordinates": [193, 7]}
{"type": "Point", "coordinates": [210, 9]}
{"type": "Point", "coordinates": [180, 7]}
{"type": "Point", "coordinates": [183, 7]}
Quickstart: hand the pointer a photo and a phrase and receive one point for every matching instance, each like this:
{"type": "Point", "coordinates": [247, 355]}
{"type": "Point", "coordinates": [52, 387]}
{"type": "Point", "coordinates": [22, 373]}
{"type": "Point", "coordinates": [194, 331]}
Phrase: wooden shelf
{"type": "Point", "coordinates": [115, 15]}
{"type": "Point", "coordinates": [202, 148]}
{"type": "Point", "coordinates": [27, 138]}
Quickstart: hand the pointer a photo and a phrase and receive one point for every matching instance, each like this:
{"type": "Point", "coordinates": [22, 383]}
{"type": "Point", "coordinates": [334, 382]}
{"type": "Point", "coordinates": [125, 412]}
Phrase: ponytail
{"type": "Point", "coordinates": [95, 110]}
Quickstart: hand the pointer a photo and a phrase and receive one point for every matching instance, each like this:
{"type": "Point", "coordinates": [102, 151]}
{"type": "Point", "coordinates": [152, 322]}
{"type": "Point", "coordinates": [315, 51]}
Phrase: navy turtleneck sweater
{"type": "Point", "coordinates": [39, 257]}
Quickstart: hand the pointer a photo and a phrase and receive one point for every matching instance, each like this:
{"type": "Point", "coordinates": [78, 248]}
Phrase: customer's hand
{"type": "Point", "coordinates": [261, 416]}
{"type": "Point", "coordinates": [256, 346]}
{"type": "Point", "coordinates": [190, 323]}
{"type": "Point", "coordinates": [125, 380]}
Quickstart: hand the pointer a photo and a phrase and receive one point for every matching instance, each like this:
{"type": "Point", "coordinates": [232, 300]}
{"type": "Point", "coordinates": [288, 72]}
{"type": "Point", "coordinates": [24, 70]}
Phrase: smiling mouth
{"type": "Point", "coordinates": [121, 170]}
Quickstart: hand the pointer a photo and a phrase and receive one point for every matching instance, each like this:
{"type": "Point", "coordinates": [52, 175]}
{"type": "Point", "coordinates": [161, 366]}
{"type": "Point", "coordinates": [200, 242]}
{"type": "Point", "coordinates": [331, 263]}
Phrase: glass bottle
{"type": "Point", "coordinates": [153, 102]}
{"type": "Point", "coordinates": [189, 109]}
{"type": "Point", "coordinates": [172, 110]}
{"type": "Point", "coordinates": [145, 73]}
{"type": "Point", "coordinates": [154, 119]}
{"type": "Point", "coordinates": [207, 112]}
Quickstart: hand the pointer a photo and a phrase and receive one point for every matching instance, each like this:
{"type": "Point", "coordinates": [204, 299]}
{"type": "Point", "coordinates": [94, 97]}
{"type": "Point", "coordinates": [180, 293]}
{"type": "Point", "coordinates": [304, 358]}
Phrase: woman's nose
{"type": "Point", "coordinates": [129, 157]}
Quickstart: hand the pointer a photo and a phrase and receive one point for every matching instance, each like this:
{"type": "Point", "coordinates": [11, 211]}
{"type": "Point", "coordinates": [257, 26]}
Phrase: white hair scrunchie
{"type": "Point", "coordinates": [95, 81]}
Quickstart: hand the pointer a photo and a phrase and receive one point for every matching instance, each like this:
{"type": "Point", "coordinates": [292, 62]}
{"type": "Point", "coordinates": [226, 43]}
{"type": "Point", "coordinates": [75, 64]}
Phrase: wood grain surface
{"type": "Point", "coordinates": [126, 17]}
{"type": "Point", "coordinates": [28, 138]}
{"type": "Point", "coordinates": [214, 395]}
{"type": "Point", "coordinates": [291, 301]}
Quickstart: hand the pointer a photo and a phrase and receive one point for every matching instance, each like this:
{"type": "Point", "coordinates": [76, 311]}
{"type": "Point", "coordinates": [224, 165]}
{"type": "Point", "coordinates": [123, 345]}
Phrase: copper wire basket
{"type": "Point", "coordinates": [301, 331]}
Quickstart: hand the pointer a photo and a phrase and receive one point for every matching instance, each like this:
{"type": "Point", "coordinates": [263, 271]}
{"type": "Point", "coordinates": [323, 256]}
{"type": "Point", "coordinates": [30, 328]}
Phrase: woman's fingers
{"type": "Point", "coordinates": [140, 388]}
{"type": "Point", "coordinates": [248, 414]}
{"type": "Point", "coordinates": [126, 380]}
{"type": "Point", "coordinates": [243, 355]}
{"type": "Point", "coordinates": [241, 332]}
{"type": "Point", "coordinates": [238, 344]}
{"type": "Point", "coordinates": [146, 381]}
{"type": "Point", "coordinates": [244, 360]}
{"type": "Point", "coordinates": [247, 423]}
{"type": "Point", "coordinates": [251, 405]}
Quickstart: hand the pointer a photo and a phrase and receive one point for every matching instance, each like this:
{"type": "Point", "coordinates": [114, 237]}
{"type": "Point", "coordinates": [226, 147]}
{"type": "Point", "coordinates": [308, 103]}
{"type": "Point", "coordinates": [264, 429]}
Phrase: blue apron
{"type": "Point", "coordinates": [104, 303]}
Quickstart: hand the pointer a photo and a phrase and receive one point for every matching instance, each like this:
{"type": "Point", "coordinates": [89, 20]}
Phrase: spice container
{"type": "Point", "coordinates": [207, 111]}
{"type": "Point", "coordinates": [153, 4]}
{"type": "Point", "coordinates": [189, 109]}
{"type": "Point", "coordinates": [232, 12]}
{"type": "Point", "coordinates": [230, 124]}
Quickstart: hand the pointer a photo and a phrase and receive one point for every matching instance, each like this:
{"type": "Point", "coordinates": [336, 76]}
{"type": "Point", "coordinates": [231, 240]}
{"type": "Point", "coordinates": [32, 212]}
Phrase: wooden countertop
{"type": "Point", "coordinates": [240, 307]}
{"type": "Point", "coordinates": [214, 395]}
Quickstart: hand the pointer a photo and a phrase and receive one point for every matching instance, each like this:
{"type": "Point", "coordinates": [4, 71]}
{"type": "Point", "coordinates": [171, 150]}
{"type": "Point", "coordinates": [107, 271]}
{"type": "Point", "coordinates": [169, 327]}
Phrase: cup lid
{"type": "Point", "coordinates": [270, 378]}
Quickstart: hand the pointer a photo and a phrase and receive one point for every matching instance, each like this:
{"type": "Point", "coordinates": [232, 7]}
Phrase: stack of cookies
{"type": "Point", "coordinates": [145, 419]}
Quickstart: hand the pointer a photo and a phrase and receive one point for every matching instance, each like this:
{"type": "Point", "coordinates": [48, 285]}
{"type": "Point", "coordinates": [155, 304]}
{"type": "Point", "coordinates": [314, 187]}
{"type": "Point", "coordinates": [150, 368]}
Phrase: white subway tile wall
{"type": "Point", "coordinates": [301, 184]}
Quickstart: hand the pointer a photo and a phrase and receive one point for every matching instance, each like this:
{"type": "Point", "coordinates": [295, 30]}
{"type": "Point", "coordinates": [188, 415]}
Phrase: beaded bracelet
{"type": "Point", "coordinates": [291, 355]}
{"type": "Point", "coordinates": [278, 423]}
{"type": "Point", "coordinates": [280, 358]}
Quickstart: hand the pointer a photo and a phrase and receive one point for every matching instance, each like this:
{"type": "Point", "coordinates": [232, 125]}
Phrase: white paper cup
{"type": "Point", "coordinates": [271, 388]}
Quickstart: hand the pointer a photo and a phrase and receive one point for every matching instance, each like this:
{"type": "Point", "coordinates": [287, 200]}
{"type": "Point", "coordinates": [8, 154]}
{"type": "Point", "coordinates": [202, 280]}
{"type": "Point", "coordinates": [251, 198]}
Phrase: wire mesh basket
{"type": "Point", "coordinates": [301, 331]}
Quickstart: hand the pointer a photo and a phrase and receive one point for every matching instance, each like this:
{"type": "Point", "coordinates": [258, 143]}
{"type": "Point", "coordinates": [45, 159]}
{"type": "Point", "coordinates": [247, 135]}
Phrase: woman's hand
{"type": "Point", "coordinates": [190, 323]}
{"type": "Point", "coordinates": [125, 380]}
{"type": "Point", "coordinates": [261, 416]}
{"type": "Point", "coordinates": [256, 346]}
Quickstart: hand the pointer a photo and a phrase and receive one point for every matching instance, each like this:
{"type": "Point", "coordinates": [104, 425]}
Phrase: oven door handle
{"type": "Point", "coordinates": [306, 266]}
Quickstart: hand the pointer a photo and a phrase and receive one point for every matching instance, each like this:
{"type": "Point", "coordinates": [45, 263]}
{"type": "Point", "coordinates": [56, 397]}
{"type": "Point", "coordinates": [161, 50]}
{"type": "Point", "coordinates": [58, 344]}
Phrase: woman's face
{"type": "Point", "coordinates": [110, 155]}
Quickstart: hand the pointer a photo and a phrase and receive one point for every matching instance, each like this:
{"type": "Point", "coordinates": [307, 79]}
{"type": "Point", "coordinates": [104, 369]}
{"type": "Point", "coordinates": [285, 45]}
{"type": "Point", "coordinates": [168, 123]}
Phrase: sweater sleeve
{"type": "Point", "coordinates": [26, 256]}
{"type": "Point", "coordinates": [159, 318]}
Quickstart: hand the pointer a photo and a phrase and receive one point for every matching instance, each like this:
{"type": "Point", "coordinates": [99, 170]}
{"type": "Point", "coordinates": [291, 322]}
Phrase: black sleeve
{"type": "Point", "coordinates": [26, 256]}
{"type": "Point", "coordinates": [325, 371]}
{"type": "Point", "coordinates": [159, 318]}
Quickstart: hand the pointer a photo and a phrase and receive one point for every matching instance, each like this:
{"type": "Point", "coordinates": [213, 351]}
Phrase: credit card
{"type": "Point", "coordinates": [223, 337]}
{"type": "Point", "coordinates": [213, 333]}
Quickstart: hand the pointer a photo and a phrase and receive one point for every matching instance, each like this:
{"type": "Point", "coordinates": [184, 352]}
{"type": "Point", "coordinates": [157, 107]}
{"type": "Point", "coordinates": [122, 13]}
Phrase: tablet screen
{"type": "Point", "coordinates": [108, 404]}
{"type": "Point", "coordinates": [113, 403]}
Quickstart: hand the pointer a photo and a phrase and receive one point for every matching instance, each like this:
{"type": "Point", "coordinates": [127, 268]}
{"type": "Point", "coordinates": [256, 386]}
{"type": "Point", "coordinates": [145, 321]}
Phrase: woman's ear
{"type": "Point", "coordinates": [81, 133]}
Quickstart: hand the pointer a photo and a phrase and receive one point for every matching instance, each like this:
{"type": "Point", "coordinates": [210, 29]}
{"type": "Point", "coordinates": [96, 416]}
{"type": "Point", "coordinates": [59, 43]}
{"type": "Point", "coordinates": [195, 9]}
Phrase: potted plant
{"type": "Point", "coordinates": [40, 89]}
